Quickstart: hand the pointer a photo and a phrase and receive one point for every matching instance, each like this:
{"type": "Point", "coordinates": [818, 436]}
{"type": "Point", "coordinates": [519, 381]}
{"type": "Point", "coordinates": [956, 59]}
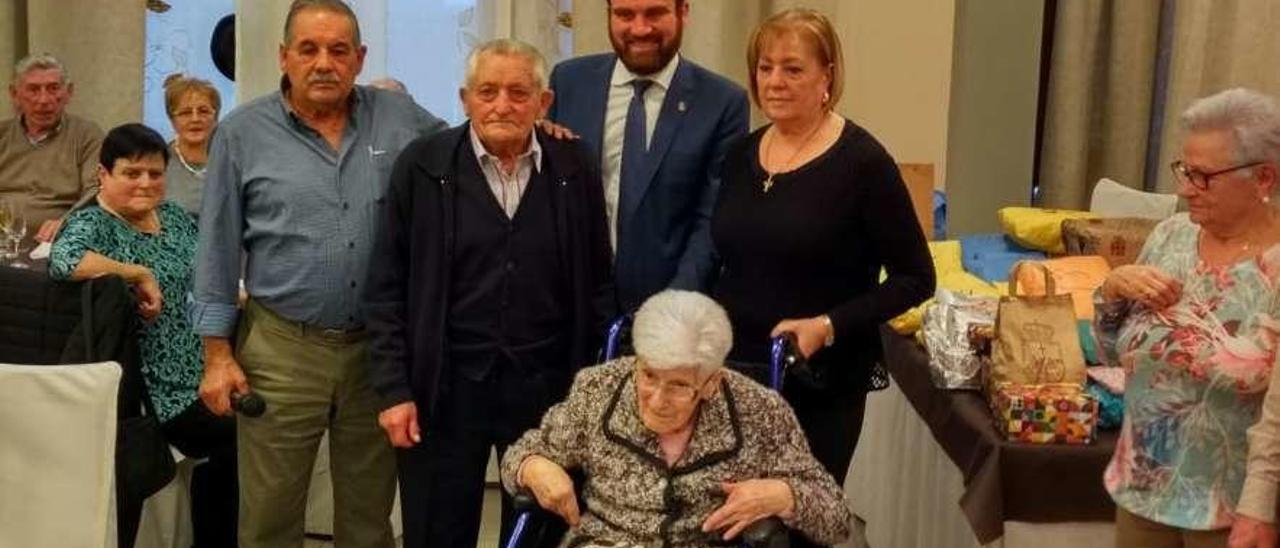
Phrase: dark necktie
{"type": "Point", "coordinates": [635, 149]}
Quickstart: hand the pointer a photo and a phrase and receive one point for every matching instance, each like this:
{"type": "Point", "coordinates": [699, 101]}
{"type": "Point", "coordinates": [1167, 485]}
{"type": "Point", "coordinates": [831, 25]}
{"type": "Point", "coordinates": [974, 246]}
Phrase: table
{"type": "Point", "coordinates": [923, 450]}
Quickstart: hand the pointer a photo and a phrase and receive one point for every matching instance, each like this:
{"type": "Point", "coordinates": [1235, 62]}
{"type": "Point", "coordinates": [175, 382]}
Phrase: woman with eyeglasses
{"type": "Point", "coordinates": [1195, 322]}
{"type": "Point", "coordinates": [193, 105]}
{"type": "Point", "coordinates": [675, 449]}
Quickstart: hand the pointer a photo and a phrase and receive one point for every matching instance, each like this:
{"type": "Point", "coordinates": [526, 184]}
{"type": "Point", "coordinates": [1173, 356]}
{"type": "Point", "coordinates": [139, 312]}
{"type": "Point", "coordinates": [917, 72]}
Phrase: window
{"type": "Point", "coordinates": [178, 41]}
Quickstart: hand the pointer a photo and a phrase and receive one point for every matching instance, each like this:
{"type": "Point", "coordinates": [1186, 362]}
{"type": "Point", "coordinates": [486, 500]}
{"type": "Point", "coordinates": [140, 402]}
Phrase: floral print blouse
{"type": "Point", "coordinates": [172, 354]}
{"type": "Point", "coordinates": [1197, 375]}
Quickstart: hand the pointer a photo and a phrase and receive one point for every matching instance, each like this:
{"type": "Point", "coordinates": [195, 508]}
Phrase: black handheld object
{"type": "Point", "coordinates": [249, 404]}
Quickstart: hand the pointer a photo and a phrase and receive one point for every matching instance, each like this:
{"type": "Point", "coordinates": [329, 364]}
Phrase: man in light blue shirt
{"type": "Point", "coordinates": [294, 185]}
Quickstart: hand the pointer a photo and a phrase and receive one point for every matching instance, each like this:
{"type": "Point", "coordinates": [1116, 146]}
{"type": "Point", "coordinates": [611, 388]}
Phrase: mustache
{"type": "Point", "coordinates": [322, 78]}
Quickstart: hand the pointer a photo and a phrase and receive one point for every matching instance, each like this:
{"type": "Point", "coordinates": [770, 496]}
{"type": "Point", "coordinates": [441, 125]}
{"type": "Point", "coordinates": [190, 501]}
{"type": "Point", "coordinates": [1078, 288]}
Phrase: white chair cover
{"type": "Point", "coordinates": [1112, 199]}
{"type": "Point", "coordinates": [57, 455]}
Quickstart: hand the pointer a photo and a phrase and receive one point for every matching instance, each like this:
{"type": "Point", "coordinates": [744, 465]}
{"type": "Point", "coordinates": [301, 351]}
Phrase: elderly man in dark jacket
{"type": "Point", "coordinates": [490, 279]}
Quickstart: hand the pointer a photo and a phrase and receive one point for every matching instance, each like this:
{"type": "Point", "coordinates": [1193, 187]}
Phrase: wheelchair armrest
{"type": "Point", "coordinates": [767, 533]}
{"type": "Point", "coordinates": [524, 501]}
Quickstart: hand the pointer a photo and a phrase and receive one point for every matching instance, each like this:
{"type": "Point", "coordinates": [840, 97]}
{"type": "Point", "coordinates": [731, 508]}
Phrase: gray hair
{"type": "Point", "coordinates": [677, 328]}
{"type": "Point", "coordinates": [334, 6]}
{"type": "Point", "coordinates": [1252, 118]}
{"type": "Point", "coordinates": [508, 47]}
{"type": "Point", "coordinates": [39, 61]}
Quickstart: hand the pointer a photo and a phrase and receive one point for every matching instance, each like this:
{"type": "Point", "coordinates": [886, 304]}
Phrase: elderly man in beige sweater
{"type": "Point", "coordinates": [48, 158]}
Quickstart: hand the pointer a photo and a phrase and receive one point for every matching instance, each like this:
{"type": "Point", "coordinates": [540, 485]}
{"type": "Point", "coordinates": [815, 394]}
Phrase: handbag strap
{"type": "Point", "coordinates": [1049, 289]}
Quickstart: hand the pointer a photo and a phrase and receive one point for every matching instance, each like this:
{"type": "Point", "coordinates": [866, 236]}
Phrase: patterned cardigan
{"type": "Point", "coordinates": [745, 431]}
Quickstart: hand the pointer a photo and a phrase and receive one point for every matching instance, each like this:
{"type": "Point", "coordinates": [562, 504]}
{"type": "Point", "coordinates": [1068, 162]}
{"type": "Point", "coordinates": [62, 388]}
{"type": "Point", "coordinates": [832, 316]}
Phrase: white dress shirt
{"type": "Point", "coordinates": [615, 123]}
{"type": "Point", "coordinates": [508, 188]}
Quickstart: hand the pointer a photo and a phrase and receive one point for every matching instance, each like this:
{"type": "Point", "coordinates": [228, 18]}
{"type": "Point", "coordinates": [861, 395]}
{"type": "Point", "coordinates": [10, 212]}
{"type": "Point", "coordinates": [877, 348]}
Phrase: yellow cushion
{"type": "Point", "coordinates": [1038, 228]}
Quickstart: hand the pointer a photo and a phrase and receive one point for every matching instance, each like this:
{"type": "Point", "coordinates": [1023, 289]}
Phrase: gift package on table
{"type": "Point", "coordinates": [1044, 413]}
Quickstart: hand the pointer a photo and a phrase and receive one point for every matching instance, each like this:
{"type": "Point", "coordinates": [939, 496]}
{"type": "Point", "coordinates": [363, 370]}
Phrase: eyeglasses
{"type": "Point", "coordinates": [1199, 179]}
{"type": "Point", "coordinates": [676, 392]}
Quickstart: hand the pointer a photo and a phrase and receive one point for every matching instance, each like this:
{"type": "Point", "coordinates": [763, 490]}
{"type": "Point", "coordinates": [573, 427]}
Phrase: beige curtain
{"type": "Point", "coordinates": [1102, 84]}
{"type": "Point", "coordinates": [101, 43]}
{"type": "Point", "coordinates": [1098, 107]}
{"type": "Point", "coordinates": [1217, 45]}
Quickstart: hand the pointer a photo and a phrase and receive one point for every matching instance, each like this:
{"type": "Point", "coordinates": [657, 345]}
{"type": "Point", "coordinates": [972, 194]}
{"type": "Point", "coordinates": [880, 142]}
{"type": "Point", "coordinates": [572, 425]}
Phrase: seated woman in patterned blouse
{"type": "Point", "coordinates": [676, 450]}
{"type": "Point", "coordinates": [133, 233]}
{"type": "Point", "coordinates": [1196, 323]}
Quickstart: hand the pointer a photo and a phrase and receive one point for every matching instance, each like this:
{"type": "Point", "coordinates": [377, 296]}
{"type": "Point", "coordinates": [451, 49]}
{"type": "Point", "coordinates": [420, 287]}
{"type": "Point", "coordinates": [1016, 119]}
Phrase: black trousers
{"type": "Point", "coordinates": [442, 479]}
{"type": "Point", "coordinates": [215, 503]}
{"type": "Point", "coordinates": [832, 421]}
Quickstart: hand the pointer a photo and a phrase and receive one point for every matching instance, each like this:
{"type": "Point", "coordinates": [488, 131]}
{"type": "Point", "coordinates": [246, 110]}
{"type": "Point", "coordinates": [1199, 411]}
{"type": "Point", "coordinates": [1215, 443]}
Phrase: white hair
{"type": "Point", "coordinates": [508, 47]}
{"type": "Point", "coordinates": [681, 329]}
{"type": "Point", "coordinates": [1252, 118]}
{"type": "Point", "coordinates": [39, 61]}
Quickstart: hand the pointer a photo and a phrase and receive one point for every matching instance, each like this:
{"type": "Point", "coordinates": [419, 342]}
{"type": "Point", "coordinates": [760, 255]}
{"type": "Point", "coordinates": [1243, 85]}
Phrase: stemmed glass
{"type": "Point", "coordinates": [6, 219]}
{"type": "Point", "coordinates": [14, 223]}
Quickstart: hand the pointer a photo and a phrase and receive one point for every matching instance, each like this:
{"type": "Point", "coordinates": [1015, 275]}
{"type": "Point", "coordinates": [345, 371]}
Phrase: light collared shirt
{"type": "Point", "coordinates": [302, 212]}
{"type": "Point", "coordinates": [615, 123]}
{"type": "Point", "coordinates": [36, 140]}
{"type": "Point", "coordinates": [508, 188]}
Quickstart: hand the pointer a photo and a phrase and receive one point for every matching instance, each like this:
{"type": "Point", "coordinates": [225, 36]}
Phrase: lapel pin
{"type": "Point", "coordinates": [680, 106]}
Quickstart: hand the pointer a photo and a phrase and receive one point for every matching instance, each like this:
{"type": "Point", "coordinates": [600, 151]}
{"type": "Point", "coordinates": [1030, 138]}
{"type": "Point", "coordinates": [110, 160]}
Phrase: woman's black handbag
{"type": "Point", "coordinates": [144, 463]}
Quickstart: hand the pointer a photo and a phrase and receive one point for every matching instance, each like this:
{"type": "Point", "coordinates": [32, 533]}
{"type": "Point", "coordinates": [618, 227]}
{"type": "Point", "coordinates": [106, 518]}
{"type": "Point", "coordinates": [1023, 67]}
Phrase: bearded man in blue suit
{"type": "Point", "coordinates": [660, 126]}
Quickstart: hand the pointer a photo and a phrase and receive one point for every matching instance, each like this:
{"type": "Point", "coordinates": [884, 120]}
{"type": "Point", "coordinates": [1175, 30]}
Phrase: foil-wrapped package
{"type": "Point", "coordinates": [953, 362]}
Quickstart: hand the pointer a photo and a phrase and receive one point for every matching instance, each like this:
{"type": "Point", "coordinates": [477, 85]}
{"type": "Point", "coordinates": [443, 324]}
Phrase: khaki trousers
{"type": "Point", "coordinates": [1134, 531]}
{"type": "Point", "coordinates": [311, 380]}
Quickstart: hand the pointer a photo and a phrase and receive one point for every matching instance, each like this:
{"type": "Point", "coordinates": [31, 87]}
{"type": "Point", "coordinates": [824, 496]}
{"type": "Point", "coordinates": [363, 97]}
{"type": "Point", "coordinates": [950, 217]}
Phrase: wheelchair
{"type": "Point", "coordinates": [784, 355]}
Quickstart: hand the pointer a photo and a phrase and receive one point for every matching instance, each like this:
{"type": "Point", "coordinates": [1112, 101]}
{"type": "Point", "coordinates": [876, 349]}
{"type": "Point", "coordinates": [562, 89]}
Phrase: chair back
{"type": "Point", "coordinates": [57, 458]}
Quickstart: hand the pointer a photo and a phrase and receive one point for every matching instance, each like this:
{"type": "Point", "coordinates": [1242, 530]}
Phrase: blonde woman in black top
{"type": "Point", "coordinates": [810, 211]}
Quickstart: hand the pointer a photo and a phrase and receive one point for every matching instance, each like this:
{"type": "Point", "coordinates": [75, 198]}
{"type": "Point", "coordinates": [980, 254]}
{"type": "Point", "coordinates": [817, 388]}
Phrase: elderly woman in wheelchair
{"type": "Point", "coordinates": [675, 449]}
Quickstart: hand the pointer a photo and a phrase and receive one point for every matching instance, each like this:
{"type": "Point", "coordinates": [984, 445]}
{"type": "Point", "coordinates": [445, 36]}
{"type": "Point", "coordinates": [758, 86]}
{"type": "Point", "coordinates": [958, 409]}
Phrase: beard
{"type": "Point", "coordinates": [647, 63]}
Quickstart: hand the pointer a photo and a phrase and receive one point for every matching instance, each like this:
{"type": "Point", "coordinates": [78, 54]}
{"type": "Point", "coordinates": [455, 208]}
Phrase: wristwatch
{"type": "Point", "coordinates": [831, 331]}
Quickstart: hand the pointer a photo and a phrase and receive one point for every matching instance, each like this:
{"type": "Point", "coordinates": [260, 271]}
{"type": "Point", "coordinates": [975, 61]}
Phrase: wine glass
{"type": "Point", "coordinates": [6, 221]}
{"type": "Point", "coordinates": [17, 231]}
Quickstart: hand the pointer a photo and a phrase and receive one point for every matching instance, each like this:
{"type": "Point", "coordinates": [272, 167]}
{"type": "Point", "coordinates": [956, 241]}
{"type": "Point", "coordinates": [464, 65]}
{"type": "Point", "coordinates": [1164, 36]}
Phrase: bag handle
{"type": "Point", "coordinates": [1049, 289]}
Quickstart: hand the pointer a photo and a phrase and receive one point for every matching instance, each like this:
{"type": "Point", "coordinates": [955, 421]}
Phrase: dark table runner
{"type": "Point", "coordinates": [1004, 481]}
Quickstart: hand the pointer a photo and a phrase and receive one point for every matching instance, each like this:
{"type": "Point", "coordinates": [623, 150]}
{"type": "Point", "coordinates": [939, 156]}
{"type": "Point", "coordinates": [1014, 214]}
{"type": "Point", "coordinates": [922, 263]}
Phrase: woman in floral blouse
{"type": "Point", "coordinates": [133, 233]}
{"type": "Point", "coordinates": [1195, 323]}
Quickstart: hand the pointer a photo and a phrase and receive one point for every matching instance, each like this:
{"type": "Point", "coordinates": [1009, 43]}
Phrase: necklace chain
{"type": "Point", "coordinates": [789, 165]}
{"type": "Point", "coordinates": [198, 172]}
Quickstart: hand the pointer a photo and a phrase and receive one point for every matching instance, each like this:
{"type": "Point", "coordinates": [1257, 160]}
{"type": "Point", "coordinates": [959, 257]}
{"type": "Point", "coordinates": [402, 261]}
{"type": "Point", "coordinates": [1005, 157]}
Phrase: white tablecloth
{"type": "Point", "coordinates": [908, 491]}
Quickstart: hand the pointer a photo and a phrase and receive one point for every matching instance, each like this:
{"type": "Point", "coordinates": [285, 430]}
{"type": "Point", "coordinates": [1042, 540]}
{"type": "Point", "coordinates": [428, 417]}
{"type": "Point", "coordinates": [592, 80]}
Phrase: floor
{"type": "Point", "coordinates": [489, 527]}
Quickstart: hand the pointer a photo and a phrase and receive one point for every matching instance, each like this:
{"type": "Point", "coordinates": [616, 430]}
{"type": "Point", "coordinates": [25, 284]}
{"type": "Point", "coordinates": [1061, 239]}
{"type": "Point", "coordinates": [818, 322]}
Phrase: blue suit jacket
{"type": "Point", "coordinates": [664, 237]}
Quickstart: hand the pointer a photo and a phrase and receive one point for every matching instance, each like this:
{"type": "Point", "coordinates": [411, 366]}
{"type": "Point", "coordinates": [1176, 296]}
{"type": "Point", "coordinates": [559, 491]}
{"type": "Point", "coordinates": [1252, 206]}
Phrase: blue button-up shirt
{"type": "Point", "coordinates": [302, 215]}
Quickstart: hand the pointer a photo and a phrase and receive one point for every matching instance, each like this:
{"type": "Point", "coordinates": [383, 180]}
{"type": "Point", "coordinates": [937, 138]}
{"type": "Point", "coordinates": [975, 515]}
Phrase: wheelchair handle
{"type": "Point", "coordinates": [613, 339]}
{"type": "Point", "coordinates": [784, 354]}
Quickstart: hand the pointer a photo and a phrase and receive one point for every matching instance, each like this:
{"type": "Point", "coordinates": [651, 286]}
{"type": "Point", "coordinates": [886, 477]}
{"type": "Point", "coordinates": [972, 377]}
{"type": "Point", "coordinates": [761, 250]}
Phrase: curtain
{"type": "Point", "coordinates": [1112, 104]}
{"type": "Point", "coordinates": [100, 43]}
{"type": "Point", "coordinates": [1098, 109]}
{"type": "Point", "coordinates": [1217, 45]}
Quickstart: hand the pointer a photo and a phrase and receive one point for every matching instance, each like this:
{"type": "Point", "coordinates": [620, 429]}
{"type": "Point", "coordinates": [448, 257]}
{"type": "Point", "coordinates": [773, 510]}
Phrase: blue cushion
{"type": "Point", "coordinates": [990, 256]}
